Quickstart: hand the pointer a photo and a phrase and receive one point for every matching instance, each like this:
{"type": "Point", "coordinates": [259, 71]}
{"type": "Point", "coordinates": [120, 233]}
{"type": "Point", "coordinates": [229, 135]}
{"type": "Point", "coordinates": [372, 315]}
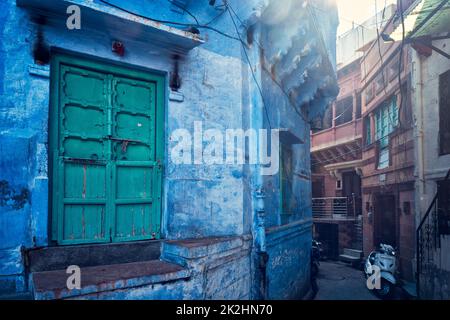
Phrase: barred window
{"type": "Point", "coordinates": [444, 113]}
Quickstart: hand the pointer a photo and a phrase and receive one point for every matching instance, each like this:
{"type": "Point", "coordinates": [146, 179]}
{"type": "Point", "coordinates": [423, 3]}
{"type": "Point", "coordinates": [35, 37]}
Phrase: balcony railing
{"type": "Point", "coordinates": [328, 137]}
{"type": "Point", "coordinates": [337, 207]}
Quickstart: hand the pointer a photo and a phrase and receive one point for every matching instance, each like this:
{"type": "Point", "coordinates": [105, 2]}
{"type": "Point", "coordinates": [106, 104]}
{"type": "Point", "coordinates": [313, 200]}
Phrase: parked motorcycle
{"type": "Point", "coordinates": [316, 252]}
{"type": "Point", "coordinates": [384, 258]}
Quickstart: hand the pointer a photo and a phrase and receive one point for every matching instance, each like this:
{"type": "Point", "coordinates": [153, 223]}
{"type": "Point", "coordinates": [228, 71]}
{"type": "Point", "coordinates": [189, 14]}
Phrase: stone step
{"type": "Point", "coordinates": [59, 258]}
{"type": "Point", "coordinates": [354, 253]}
{"type": "Point", "coordinates": [347, 258]}
{"type": "Point", "coordinates": [49, 285]}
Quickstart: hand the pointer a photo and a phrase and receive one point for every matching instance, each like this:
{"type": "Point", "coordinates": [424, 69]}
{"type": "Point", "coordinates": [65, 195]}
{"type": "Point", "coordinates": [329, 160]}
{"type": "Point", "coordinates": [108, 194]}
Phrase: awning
{"type": "Point", "coordinates": [424, 18]}
{"type": "Point", "coordinates": [116, 23]}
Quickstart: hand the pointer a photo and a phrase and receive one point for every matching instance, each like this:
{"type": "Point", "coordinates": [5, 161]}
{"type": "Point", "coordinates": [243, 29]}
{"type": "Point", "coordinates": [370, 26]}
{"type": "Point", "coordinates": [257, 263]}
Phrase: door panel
{"type": "Point", "coordinates": [84, 223]}
{"type": "Point", "coordinates": [134, 141]}
{"type": "Point", "coordinates": [106, 158]}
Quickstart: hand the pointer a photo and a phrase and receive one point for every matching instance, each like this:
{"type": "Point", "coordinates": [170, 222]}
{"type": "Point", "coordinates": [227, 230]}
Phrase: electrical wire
{"type": "Point", "coordinates": [250, 65]}
{"type": "Point", "coordinates": [400, 64]}
{"type": "Point", "coordinates": [379, 45]}
{"type": "Point", "coordinates": [223, 8]}
{"type": "Point", "coordinates": [185, 10]}
{"type": "Point", "coordinates": [201, 26]}
{"type": "Point", "coordinates": [343, 112]}
{"type": "Point", "coordinates": [274, 80]}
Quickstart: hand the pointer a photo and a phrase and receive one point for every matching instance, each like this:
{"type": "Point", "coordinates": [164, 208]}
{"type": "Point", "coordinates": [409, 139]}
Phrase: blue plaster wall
{"type": "Point", "coordinates": [199, 201]}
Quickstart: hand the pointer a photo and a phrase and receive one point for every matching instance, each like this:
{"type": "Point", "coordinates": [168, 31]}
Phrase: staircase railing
{"type": "Point", "coordinates": [428, 238]}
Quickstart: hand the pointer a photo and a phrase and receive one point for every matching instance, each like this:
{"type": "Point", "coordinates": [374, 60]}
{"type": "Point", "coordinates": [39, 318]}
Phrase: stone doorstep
{"type": "Point", "coordinates": [52, 284]}
{"type": "Point", "coordinates": [108, 267]}
{"type": "Point", "coordinates": [60, 257]}
{"type": "Point", "coordinates": [348, 258]}
{"type": "Point", "coordinates": [353, 252]}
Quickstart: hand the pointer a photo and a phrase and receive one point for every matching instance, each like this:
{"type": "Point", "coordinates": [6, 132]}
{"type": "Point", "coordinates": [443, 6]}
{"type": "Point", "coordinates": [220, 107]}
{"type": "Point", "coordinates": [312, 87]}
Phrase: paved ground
{"type": "Point", "coordinates": [339, 281]}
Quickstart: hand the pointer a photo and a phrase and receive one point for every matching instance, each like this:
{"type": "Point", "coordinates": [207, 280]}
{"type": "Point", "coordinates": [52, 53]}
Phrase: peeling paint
{"type": "Point", "coordinates": [199, 201]}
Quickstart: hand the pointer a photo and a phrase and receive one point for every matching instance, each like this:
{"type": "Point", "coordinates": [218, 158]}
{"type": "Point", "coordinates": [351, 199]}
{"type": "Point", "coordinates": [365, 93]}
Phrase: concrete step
{"type": "Point", "coordinates": [347, 258]}
{"type": "Point", "coordinates": [59, 258]}
{"type": "Point", "coordinates": [49, 285]}
{"type": "Point", "coordinates": [17, 296]}
{"type": "Point", "coordinates": [353, 252]}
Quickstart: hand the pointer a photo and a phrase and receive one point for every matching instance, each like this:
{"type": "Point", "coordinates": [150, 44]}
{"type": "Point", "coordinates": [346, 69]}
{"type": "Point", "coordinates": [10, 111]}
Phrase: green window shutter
{"type": "Point", "coordinates": [368, 131]}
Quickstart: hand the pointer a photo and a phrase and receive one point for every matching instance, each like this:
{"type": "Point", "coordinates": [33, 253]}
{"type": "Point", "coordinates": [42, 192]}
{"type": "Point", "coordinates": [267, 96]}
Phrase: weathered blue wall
{"type": "Point", "coordinates": [199, 201]}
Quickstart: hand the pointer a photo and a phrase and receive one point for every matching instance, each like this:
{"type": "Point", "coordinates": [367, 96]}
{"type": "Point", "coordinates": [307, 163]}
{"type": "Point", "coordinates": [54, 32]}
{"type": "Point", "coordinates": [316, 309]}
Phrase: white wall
{"type": "Point", "coordinates": [430, 167]}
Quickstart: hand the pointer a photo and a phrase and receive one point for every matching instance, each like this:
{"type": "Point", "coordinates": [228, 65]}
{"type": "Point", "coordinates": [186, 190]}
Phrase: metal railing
{"type": "Point", "coordinates": [336, 207]}
{"type": "Point", "coordinates": [428, 238]}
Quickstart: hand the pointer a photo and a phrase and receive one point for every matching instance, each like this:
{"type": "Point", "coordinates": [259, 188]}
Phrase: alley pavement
{"type": "Point", "coordinates": [339, 281]}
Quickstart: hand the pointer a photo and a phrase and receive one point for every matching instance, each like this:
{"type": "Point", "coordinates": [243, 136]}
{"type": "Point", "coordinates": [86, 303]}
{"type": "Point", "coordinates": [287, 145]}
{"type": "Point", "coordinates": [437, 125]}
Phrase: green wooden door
{"type": "Point", "coordinates": [106, 146]}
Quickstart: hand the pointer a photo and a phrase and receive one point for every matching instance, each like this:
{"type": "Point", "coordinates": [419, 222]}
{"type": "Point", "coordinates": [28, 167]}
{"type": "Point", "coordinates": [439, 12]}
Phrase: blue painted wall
{"type": "Point", "coordinates": [199, 201]}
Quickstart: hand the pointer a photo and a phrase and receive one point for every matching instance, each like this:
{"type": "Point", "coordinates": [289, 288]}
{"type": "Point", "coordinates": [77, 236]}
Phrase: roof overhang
{"type": "Point", "coordinates": [424, 18]}
{"type": "Point", "coordinates": [336, 143]}
{"type": "Point", "coordinates": [344, 165]}
{"type": "Point", "coordinates": [116, 23]}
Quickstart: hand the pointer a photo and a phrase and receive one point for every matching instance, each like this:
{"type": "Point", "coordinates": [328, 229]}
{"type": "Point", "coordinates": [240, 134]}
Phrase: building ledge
{"type": "Point", "coordinates": [335, 219]}
{"type": "Point", "coordinates": [117, 23]}
{"type": "Point", "coordinates": [344, 165]}
{"type": "Point", "coordinates": [52, 284]}
{"type": "Point", "coordinates": [198, 248]}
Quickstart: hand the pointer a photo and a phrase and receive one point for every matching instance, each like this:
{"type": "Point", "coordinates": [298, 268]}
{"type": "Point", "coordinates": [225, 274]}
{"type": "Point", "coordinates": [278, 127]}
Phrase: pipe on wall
{"type": "Point", "coordinates": [257, 180]}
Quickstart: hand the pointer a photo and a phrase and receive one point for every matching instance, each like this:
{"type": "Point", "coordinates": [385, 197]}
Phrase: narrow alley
{"type": "Point", "coordinates": [339, 281]}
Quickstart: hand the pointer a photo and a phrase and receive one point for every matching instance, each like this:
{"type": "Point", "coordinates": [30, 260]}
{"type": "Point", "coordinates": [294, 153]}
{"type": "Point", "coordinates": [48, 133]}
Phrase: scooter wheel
{"type": "Point", "coordinates": [314, 270]}
{"type": "Point", "coordinates": [386, 291]}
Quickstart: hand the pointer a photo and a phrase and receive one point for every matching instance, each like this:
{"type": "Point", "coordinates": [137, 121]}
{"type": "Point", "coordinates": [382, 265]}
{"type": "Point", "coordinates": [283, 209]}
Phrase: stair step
{"type": "Point", "coordinates": [353, 252]}
{"type": "Point", "coordinates": [348, 258]}
{"type": "Point", "coordinates": [52, 284]}
{"type": "Point", "coordinates": [59, 258]}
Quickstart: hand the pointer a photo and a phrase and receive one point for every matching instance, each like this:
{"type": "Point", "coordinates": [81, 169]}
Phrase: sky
{"type": "Point", "coordinates": [358, 11]}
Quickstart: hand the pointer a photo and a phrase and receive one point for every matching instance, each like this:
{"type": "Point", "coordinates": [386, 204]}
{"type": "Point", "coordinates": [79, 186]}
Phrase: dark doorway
{"type": "Point", "coordinates": [318, 187]}
{"type": "Point", "coordinates": [444, 207]}
{"type": "Point", "coordinates": [351, 184]}
{"type": "Point", "coordinates": [328, 235]}
{"type": "Point", "coordinates": [351, 189]}
{"type": "Point", "coordinates": [385, 231]}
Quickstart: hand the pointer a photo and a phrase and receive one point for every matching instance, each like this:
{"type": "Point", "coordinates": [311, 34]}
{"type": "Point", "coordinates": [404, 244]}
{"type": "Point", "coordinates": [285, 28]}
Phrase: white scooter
{"type": "Point", "coordinates": [381, 268]}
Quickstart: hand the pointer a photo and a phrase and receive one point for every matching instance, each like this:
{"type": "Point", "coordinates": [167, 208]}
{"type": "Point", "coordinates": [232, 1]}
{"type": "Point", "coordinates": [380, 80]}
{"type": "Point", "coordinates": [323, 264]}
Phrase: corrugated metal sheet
{"type": "Point", "coordinates": [416, 15]}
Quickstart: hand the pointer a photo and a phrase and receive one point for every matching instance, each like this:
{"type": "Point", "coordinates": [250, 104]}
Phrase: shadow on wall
{"type": "Point", "coordinates": [13, 198]}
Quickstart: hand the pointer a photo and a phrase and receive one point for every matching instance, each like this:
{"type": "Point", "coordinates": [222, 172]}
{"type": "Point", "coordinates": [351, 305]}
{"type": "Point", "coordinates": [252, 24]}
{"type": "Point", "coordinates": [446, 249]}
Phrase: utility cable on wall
{"type": "Point", "coordinates": [250, 66]}
{"type": "Point", "coordinates": [272, 78]}
{"type": "Point", "coordinates": [175, 23]}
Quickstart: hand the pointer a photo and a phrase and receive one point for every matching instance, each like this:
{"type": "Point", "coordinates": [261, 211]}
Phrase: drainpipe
{"type": "Point", "coordinates": [420, 157]}
{"type": "Point", "coordinates": [258, 195]}
{"type": "Point", "coordinates": [418, 67]}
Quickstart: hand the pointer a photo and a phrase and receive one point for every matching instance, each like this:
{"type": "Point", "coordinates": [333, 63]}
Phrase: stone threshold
{"type": "Point", "coordinates": [53, 284]}
{"type": "Point", "coordinates": [110, 267]}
